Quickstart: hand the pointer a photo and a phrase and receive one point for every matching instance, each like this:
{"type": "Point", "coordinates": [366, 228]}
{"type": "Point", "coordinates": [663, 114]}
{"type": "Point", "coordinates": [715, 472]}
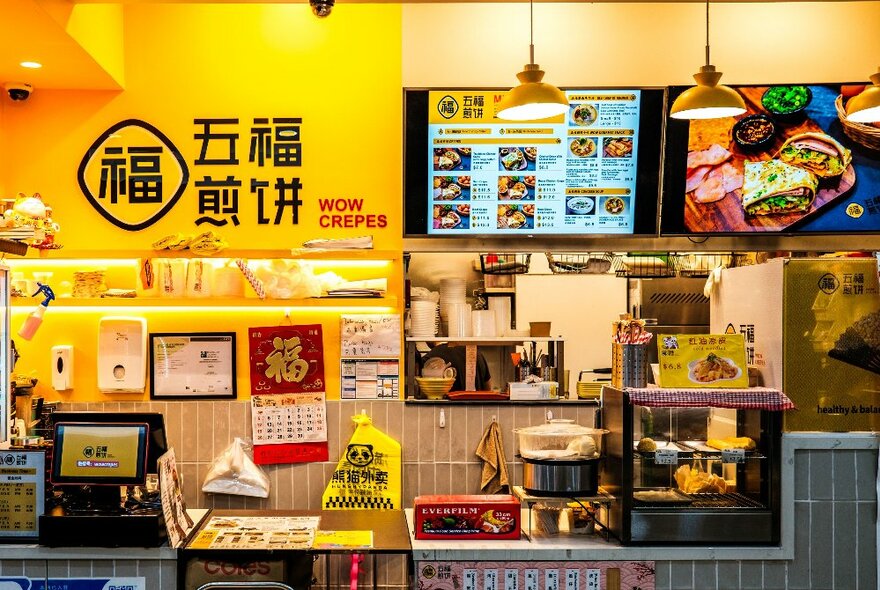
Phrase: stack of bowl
{"type": "Point", "coordinates": [435, 387]}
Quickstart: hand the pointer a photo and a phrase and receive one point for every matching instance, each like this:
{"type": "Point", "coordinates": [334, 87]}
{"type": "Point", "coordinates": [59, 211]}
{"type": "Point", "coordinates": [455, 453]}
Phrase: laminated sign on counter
{"type": "Point", "coordinates": [368, 473]}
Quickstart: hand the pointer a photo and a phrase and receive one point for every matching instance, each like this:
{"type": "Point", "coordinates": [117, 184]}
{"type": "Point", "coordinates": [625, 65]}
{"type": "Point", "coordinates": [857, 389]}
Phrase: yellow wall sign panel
{"type": "Point", "coordinates": [702, 360]}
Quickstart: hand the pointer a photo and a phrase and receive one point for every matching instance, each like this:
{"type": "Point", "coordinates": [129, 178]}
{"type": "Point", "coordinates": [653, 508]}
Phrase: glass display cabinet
{"type": "Point", "coordinates": [691, 474]}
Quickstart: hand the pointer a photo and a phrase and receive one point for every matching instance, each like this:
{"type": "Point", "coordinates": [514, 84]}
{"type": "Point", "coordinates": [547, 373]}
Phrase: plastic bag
{"type": "Point", "coordinates": [368, 473]}
{"type": "Point", "coordinates": [234, 472]}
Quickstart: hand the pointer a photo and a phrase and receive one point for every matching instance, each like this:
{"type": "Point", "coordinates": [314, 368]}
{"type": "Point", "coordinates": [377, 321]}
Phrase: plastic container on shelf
{"type": "Point", "coordinates": [559, 439]}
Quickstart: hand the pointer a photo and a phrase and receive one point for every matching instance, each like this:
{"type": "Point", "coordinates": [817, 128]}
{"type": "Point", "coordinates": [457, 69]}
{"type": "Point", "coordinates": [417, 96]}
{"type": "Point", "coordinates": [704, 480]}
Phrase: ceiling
{"type": "Point", "coordinates": [37, 30]}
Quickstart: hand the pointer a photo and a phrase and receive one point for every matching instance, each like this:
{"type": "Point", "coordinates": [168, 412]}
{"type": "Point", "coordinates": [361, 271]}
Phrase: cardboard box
{"type": "Point", "coordinates": [531, 391]}
{"type": "Point", "coordinates": [467, 517]}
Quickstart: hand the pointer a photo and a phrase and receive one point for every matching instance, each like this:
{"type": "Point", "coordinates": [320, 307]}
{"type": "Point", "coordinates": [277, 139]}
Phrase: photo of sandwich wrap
{"type": "Point", "coordinates": [774, 187]}
{"type": "Point", "coordinates": [785, 165]}
{"type": "Point", "coordinates": [819, 153]}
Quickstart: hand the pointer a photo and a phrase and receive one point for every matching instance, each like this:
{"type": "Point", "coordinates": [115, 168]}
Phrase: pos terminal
{"type": "Point", "coordinates": [92, 463]}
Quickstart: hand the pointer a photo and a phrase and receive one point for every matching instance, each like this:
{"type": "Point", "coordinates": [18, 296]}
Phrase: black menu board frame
{"type": "Point", "coordinates": [417, 200]}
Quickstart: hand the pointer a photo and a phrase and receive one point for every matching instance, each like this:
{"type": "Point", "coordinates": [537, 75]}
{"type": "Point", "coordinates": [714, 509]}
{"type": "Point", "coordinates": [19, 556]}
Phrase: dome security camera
{"type": "Point", "coordinates": [322, 8]}
{"type": "Point", "coordinates": [18, 91]}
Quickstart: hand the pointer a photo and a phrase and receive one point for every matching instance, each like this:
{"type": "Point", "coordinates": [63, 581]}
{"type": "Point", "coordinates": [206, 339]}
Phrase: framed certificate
{"type": "Point", "coordinates": [192, 365]}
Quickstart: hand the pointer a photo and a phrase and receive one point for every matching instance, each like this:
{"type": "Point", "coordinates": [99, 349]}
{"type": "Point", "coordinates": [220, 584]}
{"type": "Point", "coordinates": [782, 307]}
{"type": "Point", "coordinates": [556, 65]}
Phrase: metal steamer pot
{"type": "Point", "coordinates": [561, 477]}
{"type": "Point", "coordinates": [560, 458]}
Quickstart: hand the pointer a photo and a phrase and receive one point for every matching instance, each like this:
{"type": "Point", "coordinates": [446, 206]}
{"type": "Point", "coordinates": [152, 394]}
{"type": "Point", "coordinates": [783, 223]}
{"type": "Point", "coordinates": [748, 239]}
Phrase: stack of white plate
{"type": "Point", "coordinates": [452, 291]}
{"type": "Point", "coordinates": [423, 318]}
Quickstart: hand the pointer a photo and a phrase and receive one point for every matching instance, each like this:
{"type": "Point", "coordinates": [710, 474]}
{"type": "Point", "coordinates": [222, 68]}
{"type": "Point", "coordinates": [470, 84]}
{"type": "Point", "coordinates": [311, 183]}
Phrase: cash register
{"type": "Point", "coordinates": [98, 473]}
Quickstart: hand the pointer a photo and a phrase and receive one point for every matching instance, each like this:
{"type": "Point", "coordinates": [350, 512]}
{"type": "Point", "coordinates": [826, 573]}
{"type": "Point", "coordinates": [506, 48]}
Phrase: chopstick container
{"type": "Point", "coordinates": [629, 367]}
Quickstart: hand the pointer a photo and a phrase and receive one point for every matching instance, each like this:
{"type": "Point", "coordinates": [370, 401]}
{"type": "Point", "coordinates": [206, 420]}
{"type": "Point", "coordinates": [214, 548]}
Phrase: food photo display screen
{"type": "Point", "coordinates": [787, 165]}
{"type": "Point", "coordinates": [592, 170]}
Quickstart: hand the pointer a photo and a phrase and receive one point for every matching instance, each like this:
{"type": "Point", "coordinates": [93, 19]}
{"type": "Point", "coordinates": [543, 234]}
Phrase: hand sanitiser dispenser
{"type": "Point", "coordinates": [122, 354]}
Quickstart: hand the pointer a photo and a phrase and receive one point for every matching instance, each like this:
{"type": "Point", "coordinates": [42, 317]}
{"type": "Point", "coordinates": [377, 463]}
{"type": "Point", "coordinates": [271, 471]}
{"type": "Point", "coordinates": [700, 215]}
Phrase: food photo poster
{"type": "Point", "coordinates": [790, 164]}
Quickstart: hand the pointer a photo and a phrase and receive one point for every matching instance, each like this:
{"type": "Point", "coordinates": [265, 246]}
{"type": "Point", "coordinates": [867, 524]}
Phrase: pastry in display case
{"type": "Point", "coordinates": [685, 473]}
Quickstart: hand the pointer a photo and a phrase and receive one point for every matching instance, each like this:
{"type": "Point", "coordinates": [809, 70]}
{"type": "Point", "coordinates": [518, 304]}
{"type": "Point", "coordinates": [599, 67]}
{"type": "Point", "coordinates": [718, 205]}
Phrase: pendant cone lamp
{"type": "Point", "coordinates": [865, 107]}
{"type": "Point", "coordinates": [532, 99]}
{"type": "Point", "coordinates": [708, 99]}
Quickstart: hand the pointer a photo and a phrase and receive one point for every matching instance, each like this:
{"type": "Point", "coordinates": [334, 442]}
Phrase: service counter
{"type": "Point", "coordinates": [828, 484]}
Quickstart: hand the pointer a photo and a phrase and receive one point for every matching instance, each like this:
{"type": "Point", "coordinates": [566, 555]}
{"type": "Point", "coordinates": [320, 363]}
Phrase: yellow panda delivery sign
{"type": "Point", "coordinates": [368, 473]}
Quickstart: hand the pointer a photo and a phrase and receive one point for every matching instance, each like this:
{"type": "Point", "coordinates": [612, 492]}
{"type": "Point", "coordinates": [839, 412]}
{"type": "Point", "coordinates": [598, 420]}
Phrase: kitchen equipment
{"type": "Point", "coordinates": [591, 389]}
{"type": "Point", "coordinates": [738, 499]}
{"type": "Point", "coordinates": [560, 458]}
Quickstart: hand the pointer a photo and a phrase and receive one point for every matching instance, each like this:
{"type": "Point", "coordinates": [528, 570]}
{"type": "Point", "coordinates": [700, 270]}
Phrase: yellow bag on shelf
{"type": "Point", "coordinates": [367, 476]}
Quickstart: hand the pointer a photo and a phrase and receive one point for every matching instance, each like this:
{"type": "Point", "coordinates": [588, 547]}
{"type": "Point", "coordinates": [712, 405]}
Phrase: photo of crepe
{"type": "Point", "coordinates": [819, 153]}
{"type": "Point", "coordinates": [774, 187]}
{"type": "Point", "coordinates": [859, 345]}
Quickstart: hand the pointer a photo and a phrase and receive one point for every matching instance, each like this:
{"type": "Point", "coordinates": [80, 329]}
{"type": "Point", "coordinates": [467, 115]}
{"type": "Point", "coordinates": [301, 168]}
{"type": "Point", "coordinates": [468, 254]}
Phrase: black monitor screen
{"type": "Point", "coordinates": [155, 420]}
{"type": "Point", "coordinates": [593, 170]}
{"type": "Point", "coordinates": [789, 165]}
{"type": "Point", "coordinates": [98, 453]}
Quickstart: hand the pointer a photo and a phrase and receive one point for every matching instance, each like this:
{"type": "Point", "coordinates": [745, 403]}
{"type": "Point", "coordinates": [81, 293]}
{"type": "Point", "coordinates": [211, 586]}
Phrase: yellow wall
{"type": "Point", "coordinates": [245, 61]}
{"type": "Point", "coordinates": [343, 75]}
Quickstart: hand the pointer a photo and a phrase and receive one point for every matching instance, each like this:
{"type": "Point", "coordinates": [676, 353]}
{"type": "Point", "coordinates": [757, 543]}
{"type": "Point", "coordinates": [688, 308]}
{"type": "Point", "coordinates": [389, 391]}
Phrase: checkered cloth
{"type": "Point", "coordinates": [753, 398]}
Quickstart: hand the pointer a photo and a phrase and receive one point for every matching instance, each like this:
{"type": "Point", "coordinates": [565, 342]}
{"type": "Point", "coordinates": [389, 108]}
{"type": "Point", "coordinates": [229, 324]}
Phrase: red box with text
{"type": "Point", "coordinates": [467, 517]}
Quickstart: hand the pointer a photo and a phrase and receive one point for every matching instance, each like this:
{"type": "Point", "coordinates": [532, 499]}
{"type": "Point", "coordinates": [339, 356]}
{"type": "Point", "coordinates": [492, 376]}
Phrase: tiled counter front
{"type": "Point", "coordinates": [833, 502]}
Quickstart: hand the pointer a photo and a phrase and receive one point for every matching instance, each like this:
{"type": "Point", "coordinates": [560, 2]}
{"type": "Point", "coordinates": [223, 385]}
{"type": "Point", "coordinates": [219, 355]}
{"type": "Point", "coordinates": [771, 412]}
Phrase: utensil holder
{"type": "Point", "coordinates": [629, 367]}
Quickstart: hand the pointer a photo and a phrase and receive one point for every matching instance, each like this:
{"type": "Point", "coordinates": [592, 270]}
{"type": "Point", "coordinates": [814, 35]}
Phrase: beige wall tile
{"type": "Point", "coordinates": [470, 483]}
{"type": "Point", "coordinates": [456, 424]}
{"type": "Point", "coordinates": [505, 421]}
{"type": "Point", "coordinates": [282, 488]}
{"type": "Point", "coordinates": [126, 407]}
{"type": "Point", "coordinates": [316, 485]}
{"type": "Point", "coordinates": [333, 430]}
{"type": "Point", "coordinates": [220, 426]}
{"type": "Point", "coordinates": [239, 423]}
{"type": "Point", "coordinates": [442, 436]}
{"type": "Point", "coordinates": [395, 420]}
{"type": "Point", "coordinates": [410, 443]}
{"type": "Point", "coordinates": [172, 428]}
{"type": "Point", "coordinates": [474, 420]}
{"type": "Point", "coordinates": [205, 442]}
{"type": "Point", "coordinates": [189, 431]}
{"type": "Point", "coordinates": [189, 483]}
{"type": "Point", "coordinates": [442, 478]}
{"type": "Point", "coordinates": [427, 479]}
{"type": "Point", "coordinates": [410, 483]}
{"type": "Point", "coordinates": [427, 430]}
{"type": "Point", "coordinates": [378, 411]}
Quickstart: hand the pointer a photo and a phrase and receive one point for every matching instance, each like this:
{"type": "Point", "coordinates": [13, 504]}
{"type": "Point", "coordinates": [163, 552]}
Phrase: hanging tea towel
{"type": "Point", "coordinates": [495, 478]}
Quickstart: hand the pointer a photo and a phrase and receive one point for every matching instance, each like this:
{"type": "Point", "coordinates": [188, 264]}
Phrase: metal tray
{"type": "Point", "coordinates": [667, 497]}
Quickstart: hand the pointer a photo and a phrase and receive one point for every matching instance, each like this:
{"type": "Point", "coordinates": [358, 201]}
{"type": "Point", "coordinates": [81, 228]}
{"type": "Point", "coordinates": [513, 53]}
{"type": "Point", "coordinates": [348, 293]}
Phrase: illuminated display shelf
{"type": "Point", "coordinates": [156, 303]}
{"type": "Point", "coordinates": [298, 254]}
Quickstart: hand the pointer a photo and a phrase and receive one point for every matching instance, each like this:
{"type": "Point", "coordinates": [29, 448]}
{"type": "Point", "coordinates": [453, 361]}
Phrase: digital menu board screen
{"type": "Point", "coordinates": [593, 170]}
{"type": "Point", "coordinates": [787, 165]}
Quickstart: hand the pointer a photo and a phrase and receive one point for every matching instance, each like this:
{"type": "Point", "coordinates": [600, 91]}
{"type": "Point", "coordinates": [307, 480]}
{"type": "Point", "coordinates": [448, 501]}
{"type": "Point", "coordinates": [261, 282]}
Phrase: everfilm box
{"type": "Point", "coordinates": [467, 517]}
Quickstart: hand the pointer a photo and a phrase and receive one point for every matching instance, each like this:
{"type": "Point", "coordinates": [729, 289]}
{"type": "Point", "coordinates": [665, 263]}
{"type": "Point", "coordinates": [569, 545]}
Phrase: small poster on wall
{"type": "Point", "coordinates": [370, 335]}
{"type": "Point", "coordinates": [286, 359]}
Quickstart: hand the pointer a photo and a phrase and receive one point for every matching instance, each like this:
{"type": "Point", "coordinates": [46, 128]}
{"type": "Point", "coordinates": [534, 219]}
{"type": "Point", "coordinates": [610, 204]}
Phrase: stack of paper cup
{"type": "Point", "coordinates": [459, 321]}
{"type": "Point", "coordinates": [452, 291]}
{"type": "Point", "coordinates": [483, 323]}
{"type": "Point", "coordinates": [423, 318]}
{"type": "Point", "coordinates": [501, 307]}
